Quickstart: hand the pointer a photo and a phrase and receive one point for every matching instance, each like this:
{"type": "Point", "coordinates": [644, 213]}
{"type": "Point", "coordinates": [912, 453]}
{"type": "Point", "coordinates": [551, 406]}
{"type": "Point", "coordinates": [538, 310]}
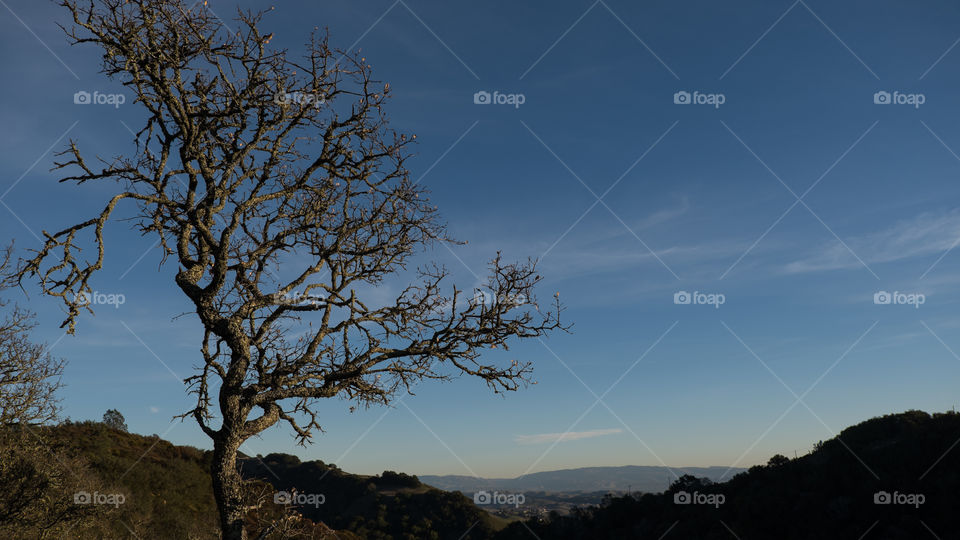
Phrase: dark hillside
{"type": "Point", "coordinates": [390, 505]}
{"type": "Point", "coordinates": [897, 476]}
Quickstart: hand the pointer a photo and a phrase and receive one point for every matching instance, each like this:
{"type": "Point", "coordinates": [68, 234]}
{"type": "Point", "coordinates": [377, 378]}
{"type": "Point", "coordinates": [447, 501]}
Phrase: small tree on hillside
{"type": "Point", "coordinates": [113, 419]}
{"type": "Point", "coordinates": [778, 460]}
{"type": "Point", "coordinates": [281, 193]}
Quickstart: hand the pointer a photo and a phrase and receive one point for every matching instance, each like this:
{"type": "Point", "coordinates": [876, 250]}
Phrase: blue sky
{"type": "Point", "coordinates": [797, 199]}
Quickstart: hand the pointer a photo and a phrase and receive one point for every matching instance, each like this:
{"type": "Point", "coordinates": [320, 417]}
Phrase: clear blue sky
{"type": "Point", "coordinates": [695, 198]}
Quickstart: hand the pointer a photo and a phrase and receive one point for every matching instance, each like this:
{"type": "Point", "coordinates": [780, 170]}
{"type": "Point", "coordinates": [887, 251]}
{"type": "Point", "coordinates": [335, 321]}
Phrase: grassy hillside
{"type": "Point", "coordinates": [166, 493]}
{"type": "Point", "coordinates": [165, 487]}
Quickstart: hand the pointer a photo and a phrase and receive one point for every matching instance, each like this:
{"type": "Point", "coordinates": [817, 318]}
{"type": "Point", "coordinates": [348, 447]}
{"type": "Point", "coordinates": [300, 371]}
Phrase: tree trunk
{"type": "Point", "coordinates": [228, 488]}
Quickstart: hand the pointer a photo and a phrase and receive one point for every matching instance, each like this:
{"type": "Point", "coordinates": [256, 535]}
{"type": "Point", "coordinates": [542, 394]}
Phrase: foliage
{"type": "Point", "coordinates": [167, 488]}
{"type": "Point", "coordinates": [391, 478]}
{"type": "Point", "coordinates": [114, 420]}
{"type": "Point", "coordinates": [38, 481]}
{"type": "Point", "coordinates": [391, 505]}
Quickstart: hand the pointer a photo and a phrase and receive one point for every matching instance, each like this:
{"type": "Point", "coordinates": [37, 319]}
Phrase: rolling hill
{"type": "Point", "coordinates": [893, 477]}
{"type": "Point", "coordinates": [167, 488]}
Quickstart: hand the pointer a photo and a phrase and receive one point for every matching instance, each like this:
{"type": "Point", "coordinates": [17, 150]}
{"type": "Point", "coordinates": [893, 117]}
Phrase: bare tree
{"type": "Point", "coordinates": [282, 193]}
{"type": "Point", "coordinates": [29, 374]}
{"type": "Point", "coordinates": [37, 477]}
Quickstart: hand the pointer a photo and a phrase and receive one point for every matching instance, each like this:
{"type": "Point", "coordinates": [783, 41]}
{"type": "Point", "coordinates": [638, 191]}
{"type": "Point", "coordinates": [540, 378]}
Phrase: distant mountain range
{"type": "Point", "coordinates": [635, 478]}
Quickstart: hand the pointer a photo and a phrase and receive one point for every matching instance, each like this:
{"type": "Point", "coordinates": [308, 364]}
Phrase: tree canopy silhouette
{"type": "Point", "coordinates": [113, 419]}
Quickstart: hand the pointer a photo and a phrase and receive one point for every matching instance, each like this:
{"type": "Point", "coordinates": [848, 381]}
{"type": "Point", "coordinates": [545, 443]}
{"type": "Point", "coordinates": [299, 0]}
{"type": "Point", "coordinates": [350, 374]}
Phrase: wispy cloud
{"type": "Point", "coordinates": [592, 249]}
{"type": "Point", "coordinates": [569, 436]}
{"type": "Point", "coordinates": [923, 235]}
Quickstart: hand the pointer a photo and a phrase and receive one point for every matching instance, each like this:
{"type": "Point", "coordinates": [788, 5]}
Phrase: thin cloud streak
{"type": "Point", "coordinates": [569, 436]}
{"type": "Point", "coordinates": [923, 235]}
